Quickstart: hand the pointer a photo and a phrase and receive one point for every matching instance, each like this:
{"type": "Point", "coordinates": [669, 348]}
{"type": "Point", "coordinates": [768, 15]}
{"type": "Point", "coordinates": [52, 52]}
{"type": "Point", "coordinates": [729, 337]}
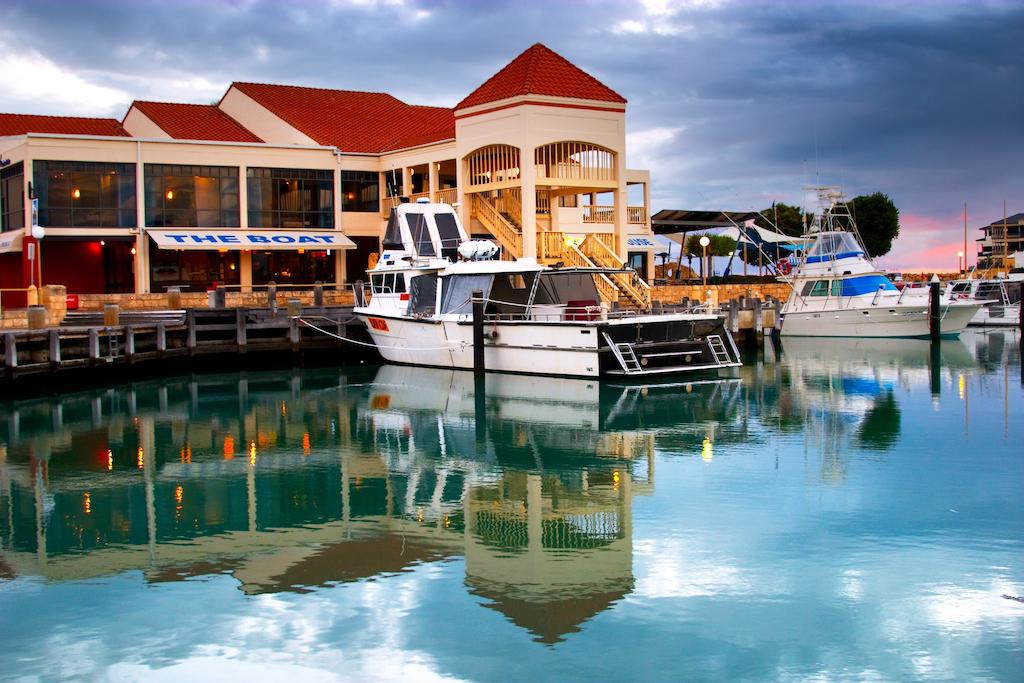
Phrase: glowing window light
{"type": "Point", "coordinates": [87, 503]}
{"type": "Point", "coordinates": [707, 450]}
{"type": "Point", "coordinates": [252, 452]}
{"type": "Point", "coordinates": [229, 447]}
{"type": "Point", "coordinates": [110, 460]}
{"type": "Point", "coordinates": [305, 443]}
{"type": "Point", "coordinates": [140, 458]}
{"type": "Point", "coordinates": [179, 494]}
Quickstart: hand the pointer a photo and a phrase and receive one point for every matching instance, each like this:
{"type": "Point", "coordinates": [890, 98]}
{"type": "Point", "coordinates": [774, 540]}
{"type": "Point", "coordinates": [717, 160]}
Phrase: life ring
{"type": "Point", "coordinates": [784, 266]}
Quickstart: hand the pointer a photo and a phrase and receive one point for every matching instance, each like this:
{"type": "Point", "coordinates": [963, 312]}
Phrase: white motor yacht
{"type": "Point", "coordinates": [999, 299]}
{"type": "Point", "coordinates": [538, 319]}
{"type": "Point", "coordinates": [839, 292]}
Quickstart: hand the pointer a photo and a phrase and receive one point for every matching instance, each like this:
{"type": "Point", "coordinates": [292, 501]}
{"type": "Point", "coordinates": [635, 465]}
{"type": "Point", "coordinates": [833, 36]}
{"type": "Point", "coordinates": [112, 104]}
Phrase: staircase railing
{"type": "Point", "coordinates": [629, 281]}
{"type": "Point", "coordinates": [512, 204]}
{"type": "Point", "coordinates": [510, 238]}
{"type": "Point", "coordinates": [574, 258]}
{"type": "Point", "coordinates": [550, 245]}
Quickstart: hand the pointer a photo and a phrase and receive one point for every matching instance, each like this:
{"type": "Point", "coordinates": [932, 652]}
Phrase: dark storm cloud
{"type": "Point", "coordinates": [731, 105]}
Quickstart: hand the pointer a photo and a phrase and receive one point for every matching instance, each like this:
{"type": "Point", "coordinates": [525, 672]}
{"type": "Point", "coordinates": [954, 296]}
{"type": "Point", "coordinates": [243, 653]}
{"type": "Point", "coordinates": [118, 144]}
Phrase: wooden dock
{"type": "Point", "coordinates": [144, 337]}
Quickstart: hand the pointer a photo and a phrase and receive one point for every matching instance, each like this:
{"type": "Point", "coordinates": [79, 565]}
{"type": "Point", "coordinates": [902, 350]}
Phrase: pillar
{"type": "Point", "coordinates": [534, 514]}
{"type": "Point", "coordinates": [528, 177]}
{"type": "Point", "coordinates": [432, 179]}
{"type": "Point", "coordinates": [621, 196]}
{"type": "Point", "coordinates": [141, 260]}
{"type": "Point", "coordinates": [245, 269]}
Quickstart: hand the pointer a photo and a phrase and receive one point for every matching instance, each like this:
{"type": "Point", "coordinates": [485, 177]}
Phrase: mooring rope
{"type": "Point", "coordinates": [449, 347]}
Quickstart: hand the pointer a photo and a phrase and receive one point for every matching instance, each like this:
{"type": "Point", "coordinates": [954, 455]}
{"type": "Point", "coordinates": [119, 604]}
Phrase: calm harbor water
{"type": "Point", "coordinates": [844, 510]}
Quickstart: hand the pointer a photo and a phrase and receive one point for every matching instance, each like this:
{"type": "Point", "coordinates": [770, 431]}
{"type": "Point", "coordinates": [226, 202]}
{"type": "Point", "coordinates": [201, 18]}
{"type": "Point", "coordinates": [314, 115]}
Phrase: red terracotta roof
{"type": "Point", "coordinates": [195, 121]}
{"type": "Point", "coordinates": [19, 124]}
{"type": "Point", "coordinates": [366, 122]}
{"type": "Point", "coordinates": [541, 71]}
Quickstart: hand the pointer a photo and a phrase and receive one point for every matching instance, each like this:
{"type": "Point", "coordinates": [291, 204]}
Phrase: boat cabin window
{"type": "Point", "coordinates": [448, 231]}
{"type": "Point", "coordinates": [835, 244]}
{"type": "Point", "coordinates": [990, 290]}
{"type": "Point", "coordinates": [457, 292]}
{"type": "Point", "coordinates": [816, 288]}
{"type": "Point", "coordinates": [837, 288]}
{"type": "Point", "coordinates": [420, 232]}
{"type": "Point", "coordinates": [561, 288]}
{"type": "Point", "coordinates": [387, 283]}
{"type": "Point", "coordinates": [510, 293]}
{"type": "Point", "coordinates": [959, 287]}
{"type": "Point", "coordinates": [423, 295]}
{"type": "Point", "coordinates": [393, 233]}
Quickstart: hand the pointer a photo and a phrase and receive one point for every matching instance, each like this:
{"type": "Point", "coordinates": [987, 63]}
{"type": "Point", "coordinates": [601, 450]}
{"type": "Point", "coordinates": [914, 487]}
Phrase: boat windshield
{"type": "Point", "coordinates": [563, 288]}
{"type": "Point", "coordinates": [420, 232]}
{"type": "Point", "coordinates": [457, 292]}
{"type": "Point", "coordinates": [835, 245]}
{"type": "Point", "coordinates": [448, 231]}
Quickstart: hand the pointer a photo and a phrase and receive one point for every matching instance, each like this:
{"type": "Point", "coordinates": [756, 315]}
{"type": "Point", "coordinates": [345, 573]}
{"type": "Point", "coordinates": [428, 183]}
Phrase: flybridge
{"type": "Point", "coordinates": [246, 239]}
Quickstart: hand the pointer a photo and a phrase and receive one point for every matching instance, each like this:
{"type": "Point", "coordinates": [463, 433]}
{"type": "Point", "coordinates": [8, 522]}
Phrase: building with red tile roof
{"type": "Point", "coordinates": [540, 71]}
{"type": "Point", "coordinates": [22, 124]}
{"type": "Point", "coordinates": [326, 163]}
{"type": "Point", "coordinates": [352, 121]}
{"type": "Point", "coordinates": [190, 121]}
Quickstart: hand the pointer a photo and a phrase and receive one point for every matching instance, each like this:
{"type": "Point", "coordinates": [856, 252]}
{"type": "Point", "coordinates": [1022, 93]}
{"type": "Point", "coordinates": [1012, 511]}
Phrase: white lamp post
{"type": "Point", "coordinates": [704, 242]}
{"type": "Point", "coordinates": [959, 262]}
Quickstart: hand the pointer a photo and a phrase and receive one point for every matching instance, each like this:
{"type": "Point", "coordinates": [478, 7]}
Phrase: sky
{"type": "Point", "coordinates": [732, 105]}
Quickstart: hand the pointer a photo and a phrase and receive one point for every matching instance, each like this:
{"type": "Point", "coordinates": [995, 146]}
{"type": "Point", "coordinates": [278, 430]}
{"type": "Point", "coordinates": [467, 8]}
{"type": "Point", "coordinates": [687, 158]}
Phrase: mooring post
{"type": "Point", "coordinates": [318, 294]}
{"type": "Point", "coordinates": [734, 316]}
{"type": "Point", "coordinates": [94, 344]}
{"type": "Point", "coordinates": [758, 319]}
{"type": "Point", "coordinates": [272, 297]}
{"type": "Point", "coordinates": [129, 343]}
{"type": "Point", "coordinates": [220, 297]}
{"type": "Point", "coordinates": [161, 338]}
{"type": "Point", "coordinates": [478, 332]}
{"type": "Point", "coordinates": [54, 348]}
{"type": "Point", "coordinates": [241, 340]}
{"type": "Point", "coordinates": [934, 319]}
{"type": "Point", "coordinates": [778, 317]}
{"type": "Point", "coordinates": [10, 351]}
{"type": "Point", "coordinates": [190, 337]}
{"type": "Point", "coordinates": [936, 367]}
{"type": "Point", "coordinates": [174, 297]}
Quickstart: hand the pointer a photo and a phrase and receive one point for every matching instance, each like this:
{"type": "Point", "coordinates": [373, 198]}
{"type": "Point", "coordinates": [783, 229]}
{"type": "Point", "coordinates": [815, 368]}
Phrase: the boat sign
{"type": "Point", "coordinates": [378, 324]}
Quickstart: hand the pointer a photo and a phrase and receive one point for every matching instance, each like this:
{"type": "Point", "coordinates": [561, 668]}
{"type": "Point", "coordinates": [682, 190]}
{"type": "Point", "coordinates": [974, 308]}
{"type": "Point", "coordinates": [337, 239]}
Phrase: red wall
{"type": "Point", "coordinates": [76, 265]}
{"type": "Point", "coordinates": [10, 277]}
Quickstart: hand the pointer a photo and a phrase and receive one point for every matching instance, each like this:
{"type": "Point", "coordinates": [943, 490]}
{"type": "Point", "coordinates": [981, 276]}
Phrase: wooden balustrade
{"type": "Point", "coordinates": [448, 195]}
{"type": "Point", "coordinates": [636, 215]}
{"type": "Point", "coordinates": [550, 245]}
{"type": "Point", "coordinates": [510, 238]}
{"type": "Point", "coordinates": [598, 214]}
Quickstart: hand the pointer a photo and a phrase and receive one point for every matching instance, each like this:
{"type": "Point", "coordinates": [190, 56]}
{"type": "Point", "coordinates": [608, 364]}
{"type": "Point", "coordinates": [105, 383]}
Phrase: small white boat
{"type": "Point", "coordinates": [999, 299]}
{"type": "Point", "coordinates": [538, 320]}
{"type": "Point", "coordinates": [839, 292]}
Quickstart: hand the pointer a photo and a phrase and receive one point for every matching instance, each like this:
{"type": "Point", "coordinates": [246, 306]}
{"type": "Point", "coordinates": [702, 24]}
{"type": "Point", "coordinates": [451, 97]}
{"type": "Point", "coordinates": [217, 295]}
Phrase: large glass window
{"type": "Point", "coordinates": [82, 194]}
{"type": "Point", "coordinates": [292, 267]}
{"type": "Point", "coordinates": [448, 231]}
{"type": "Point", "coordinates": [290, 198]}
{"type": "Point", "coordinates": [360, 191]}
{"type": "Point", "coordinates": [191, 196]}
{"type": "Point", "coordinates": [420, 234]}
{"type": "Point", "coordinates": [12, 196]}
{"type": "Point", "coordinates": [192, 270]}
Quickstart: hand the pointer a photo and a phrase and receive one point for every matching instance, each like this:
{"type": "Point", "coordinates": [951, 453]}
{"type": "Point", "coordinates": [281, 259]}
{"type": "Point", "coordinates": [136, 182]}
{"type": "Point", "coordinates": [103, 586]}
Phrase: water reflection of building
{"type": "Point", "coordinates": [290, 481]}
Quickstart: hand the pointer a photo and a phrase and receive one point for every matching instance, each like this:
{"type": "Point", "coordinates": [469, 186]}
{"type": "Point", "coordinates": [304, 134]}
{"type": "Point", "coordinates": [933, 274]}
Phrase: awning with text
{"type": "Point", "coordinates": [215, 239]}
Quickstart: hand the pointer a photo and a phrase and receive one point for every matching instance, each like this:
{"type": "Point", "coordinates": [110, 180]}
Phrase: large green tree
{"type": "Point", "coordinates": [878, 221]}
{"type": "Point", "coordinates": [789, 219]}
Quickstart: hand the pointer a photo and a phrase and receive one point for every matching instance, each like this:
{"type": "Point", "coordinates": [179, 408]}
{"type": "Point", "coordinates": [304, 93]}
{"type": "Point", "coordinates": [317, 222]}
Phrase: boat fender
{"type": "Point", "coordinates": [493, 334]}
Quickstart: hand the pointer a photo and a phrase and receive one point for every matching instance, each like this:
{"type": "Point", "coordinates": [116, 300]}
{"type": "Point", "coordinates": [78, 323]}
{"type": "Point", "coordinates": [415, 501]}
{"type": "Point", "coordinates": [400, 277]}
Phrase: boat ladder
{"type": "Point", "coordinates": [718, 349]}
{"type": "Point", "coordinates": [624, 354]}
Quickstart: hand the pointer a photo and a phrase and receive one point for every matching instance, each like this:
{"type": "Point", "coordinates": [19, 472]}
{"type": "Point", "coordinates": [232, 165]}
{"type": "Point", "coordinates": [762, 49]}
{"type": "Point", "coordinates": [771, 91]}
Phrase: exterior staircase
{"type": "Point", "coordinates": [501, 224]}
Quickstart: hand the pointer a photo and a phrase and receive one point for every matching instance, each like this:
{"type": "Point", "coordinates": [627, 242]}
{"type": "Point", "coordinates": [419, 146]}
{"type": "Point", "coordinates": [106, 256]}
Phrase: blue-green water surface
{"type": "Point", "coordinates": [842, 510]}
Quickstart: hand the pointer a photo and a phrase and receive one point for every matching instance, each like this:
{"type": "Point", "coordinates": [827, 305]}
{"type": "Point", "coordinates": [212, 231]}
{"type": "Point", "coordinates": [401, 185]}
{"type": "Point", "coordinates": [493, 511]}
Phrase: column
{"type": "Point", "coordinates": [528, 177]}
{"type": "Point", "coordinates": [406, 181]}
{"type": "Point", "coordinates": [141, 261]}
{"type": "Point", "coordinates": [432, 179]}
{"type": "Point", "coordinates": [621, 196]}
{"type": "Point", "coordinates": [339, 254]}
{"type": "Point", "coordinates": [245, 255]}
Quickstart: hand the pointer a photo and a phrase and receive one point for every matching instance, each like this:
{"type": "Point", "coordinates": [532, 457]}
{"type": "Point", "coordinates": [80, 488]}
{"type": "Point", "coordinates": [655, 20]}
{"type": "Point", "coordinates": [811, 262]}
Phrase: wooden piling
{"type": "Point", "coordinates": [241, 336]}
{"type": "Point", "coordinates": [190, 334]}
{"type": "Point", "coordinates": [54, 347]}
{"type": "Point", "coordinates": [94, 345]}
{"type": "Point", "coordinates": [10, 353]}
{"type": "Point", "coordinates": [934, 317]}
{"type": "Point", "coordinates": [478, 332]}
{"type": "Point", "coordinates": [129, 343]}
{"type": "Point", "coordinates": [161, 338]}
{"type": "Point", "coordinates": [318, 295]}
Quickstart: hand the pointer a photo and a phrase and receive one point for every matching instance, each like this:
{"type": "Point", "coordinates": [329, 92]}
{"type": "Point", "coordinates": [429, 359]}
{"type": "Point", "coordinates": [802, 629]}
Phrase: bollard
{"type": "Point", "coordinates": [111, 314]}
{"type": "Point", "coordinates": [318, 295]}
{"type": "Point", "coordinates": [294, 308]}
{"type": "Point", "coordinates": [934, 318]}
{"type": "Point", "coordinates": [36, 317]}
{"type": "Point", "coordinates": [272, 296]}
{"type": "Point", "coordinates": [220, 297]}
{"type": "Point", "coordinates": [478, 332]}
{"type": "Point", "coordinates": [174, 297]}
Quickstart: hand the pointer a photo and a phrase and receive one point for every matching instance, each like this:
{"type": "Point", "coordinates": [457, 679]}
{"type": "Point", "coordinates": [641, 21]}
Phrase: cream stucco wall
{"type": "Point", "coordinates": [260, 120]}
{"type": "Point", "coordinates": [141, 126]}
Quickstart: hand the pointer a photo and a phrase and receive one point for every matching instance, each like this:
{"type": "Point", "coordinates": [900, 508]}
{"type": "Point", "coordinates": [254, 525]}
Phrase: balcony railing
{"type": "Point", "coordinates": [635, 215]}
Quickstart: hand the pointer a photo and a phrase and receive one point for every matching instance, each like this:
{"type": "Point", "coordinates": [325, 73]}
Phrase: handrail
{"type": "Point", "coordinates": [506, 233]}
{"type": "Point", "coordinates": [449, 195]}
{"type": "Point", "coordinates": [636, 215]}
{"type": "Point", "coordinates": [629, 281]}
{"type": "Point", "coordinates": [577, 259]}
{"type": "Point", "coordinates": [550, 245]}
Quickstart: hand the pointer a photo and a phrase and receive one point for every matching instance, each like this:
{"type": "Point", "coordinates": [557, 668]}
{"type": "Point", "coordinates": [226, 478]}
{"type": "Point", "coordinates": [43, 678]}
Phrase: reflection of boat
{"type": "Point", "coordinates": [838, 291]}
{"type": "Point", "coordinates": [875, 354]}
{"type": "Point", "coordinates": [1000, 300]}
{"type": "Point", "coordinates": [538, 320]}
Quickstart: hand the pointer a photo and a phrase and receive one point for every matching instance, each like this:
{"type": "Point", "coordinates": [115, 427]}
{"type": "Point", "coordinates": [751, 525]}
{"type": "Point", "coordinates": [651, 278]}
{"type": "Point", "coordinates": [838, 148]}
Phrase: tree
{"type": "Point", "coordinates": [878, 221]}
{"type": "Point", "coordinates": [720, 245]}
{"type": "Point", "coordinates": [790, 219]}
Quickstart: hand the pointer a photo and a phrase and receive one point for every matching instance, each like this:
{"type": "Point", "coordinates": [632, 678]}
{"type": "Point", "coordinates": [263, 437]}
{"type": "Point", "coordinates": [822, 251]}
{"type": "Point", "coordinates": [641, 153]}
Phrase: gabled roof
{"type": "Point", "coordinates": [194, 121]}
{"type": "Point", "coordinates": [541, 71]}
{"type": "Point", "coordinates": [1010, 220]}
{"type": "Point", "coordinates": [362, 122]}
{"type": "Point", "coordinates": [20, 124]}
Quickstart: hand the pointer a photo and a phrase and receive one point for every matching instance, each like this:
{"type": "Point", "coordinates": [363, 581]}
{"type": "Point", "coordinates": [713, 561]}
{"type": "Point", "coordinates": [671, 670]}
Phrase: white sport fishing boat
{"type": "Point", "coordinates": [538, 320]}
{"type": "Point", "coordinates": [999, 299]}
{"type": "Point", "coordinates": [839, 292]}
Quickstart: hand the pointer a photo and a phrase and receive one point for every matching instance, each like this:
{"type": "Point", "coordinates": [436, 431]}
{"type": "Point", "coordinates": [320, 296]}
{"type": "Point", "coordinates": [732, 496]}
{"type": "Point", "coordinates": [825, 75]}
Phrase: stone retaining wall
{"type": "Point", "coordinates": [672, 294]}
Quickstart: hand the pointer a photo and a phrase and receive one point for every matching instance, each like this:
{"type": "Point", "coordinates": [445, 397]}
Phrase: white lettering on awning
{"type": "Point", "coordinates": [249, 239]}
{"type": "Point", "coordinates": [11, 241]}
